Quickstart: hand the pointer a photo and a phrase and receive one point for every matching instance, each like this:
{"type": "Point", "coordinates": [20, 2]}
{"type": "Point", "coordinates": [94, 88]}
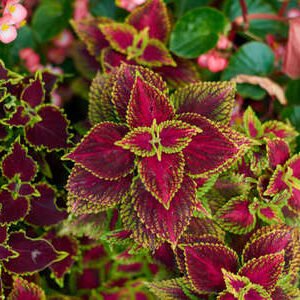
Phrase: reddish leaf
{"type": "Point", "coordinates": [236, 216]}
{"type": "Point", "coordinates": [147, 104]}
{"type": "Point", "coordinates": [211, 151]}
{"type": "Point", "coordinates": [98, 153]}
{"type": "Point", "coordinates": [119, 35]}
{"type": "Point", "coordinates": [43, 211]}
{"type": "Point", "coordinates": [234, 283]}
{"type": "Point", "coordinates": [173, 221]}
{"type": "Point", "coordinates": [88, 279]}
{"type": "Point", "coordinates": [19, 117]}
{"type": "Point", "coordinates": [23, 189]}
{"type": "Point", "coordinates": [257, 293]}
{"type": "Point", "coordinates": [252, 124]}
{"type": "Point", "coordinates": [278, 152]}
{"type": "Point", "coordinates": [153, 14]}
{"type": "Point", "coordinates": [34, 254]}
{"type": "Point", "coordinates": [294, 164]}
{"type": "Point", "coordinates": [264, 270]}
{"type": "Point", "coordinates": [102, 192]}
{"type": "Point", "coordinates": [291, 64]}
{"type": "Point", "coordinates": [213, 100]}
{"type": "Point", "coordinates": [184, 72]}
{"type": "Point", "coordinates": [156, 54]}
{"type": "Point", "coordinates": [89, 32]}
{"type": "Point", "coordinates": [68, 245]}
{"type": "Point", "coordinates": [12, 210]}
{"type": "Point", "coordinates": [226, 296]}
{"type": "Point", "coordinates": [34, 93]}
{"type": "Point", "coordinates": [124, 80]}
{"type": "Point", "coordinates": [51, 132]}
{"type": "Point", "coordinates": [3, 229]}
{"type": "Point", "coordinates": [273, 129]}
{"type": "Point", "coordinates": [276, 183]}
{"type": "Point", "coordinates": [162, 178]}
{"type": "Point", "coordinates": [204, 264]}
{"type": "Point", "coordinates": [23, 290]}
{"type": "Point", "coordinates": [17, 162]}
{"type": "Point", "coordinates": [6, 253]}
{"type": "Point", "coordinates": [294, 200]}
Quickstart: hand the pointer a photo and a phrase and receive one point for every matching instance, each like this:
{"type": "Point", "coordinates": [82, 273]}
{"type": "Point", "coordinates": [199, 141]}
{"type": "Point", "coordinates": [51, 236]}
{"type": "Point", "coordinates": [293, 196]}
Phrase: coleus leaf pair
{"type": "Point", "coordinates": [211, 268]}
{"type": "Point", "coordinates": [149, 162]}
{"type": "Point", "coordinates": [44, 125]}
{"type": "Point", "coordinates": [140, 40]}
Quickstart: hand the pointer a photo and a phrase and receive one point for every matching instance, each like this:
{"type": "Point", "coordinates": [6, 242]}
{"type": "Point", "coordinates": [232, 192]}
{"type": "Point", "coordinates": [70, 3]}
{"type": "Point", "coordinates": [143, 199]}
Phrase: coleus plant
{"type": "Point", "coordinates": [140, 40]}
{"type": "Point", "coordinates": [267, 267]}
{"type": "Point", "coordinates": [150, 151]}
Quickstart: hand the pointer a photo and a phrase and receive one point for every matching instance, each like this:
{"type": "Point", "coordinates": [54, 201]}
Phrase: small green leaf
{"type": "Point", "coordinates": [293, 92]}
{"type": "Point", "coordinates": [197, 32]}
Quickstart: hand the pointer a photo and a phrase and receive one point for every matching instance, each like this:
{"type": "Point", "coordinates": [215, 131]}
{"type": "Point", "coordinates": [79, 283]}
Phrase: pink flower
{"type": "Point", "coordinates": [17, 11]}
{"type": "Point", "coordinates": [8, 32]}
{"type": "Point", "coordinates": [64, 39]}
{"type": "Point", "coordinates": [81, 9]}
{"type": "Point", "coordinates": [31, 59]}
{"type": "Point", "coordinates": [216, 63]}
{"type": "Point", "coordinates": [203, 60]}
{"type": "Point", "coordinates": [223, 43]}
{"type": "Point", "coordinates": [129, 4]}
{"type": "Point", "coordinates": [56, 55]}
{"type": "Point", "coordinates": [293, 13]}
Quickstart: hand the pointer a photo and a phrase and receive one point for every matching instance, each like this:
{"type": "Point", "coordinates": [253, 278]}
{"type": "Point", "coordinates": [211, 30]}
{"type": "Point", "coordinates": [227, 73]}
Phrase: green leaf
{"type": "Point", "coordinates": [50, 18]}
{"type": "Point", "coordinates": [105, 8]}
{"type": "Point", "coordinates": [253, 58]}
{"type": "Point", "coordinates": [259, 28]}
{"type": "Point", "coordinates": [183, 6]}
{"type": "Point", "coordinates": [293, 114]}
{"type": "Point", "coordinates": [197, 32]}
{"type": "Point", "coordinates": [293, 91]}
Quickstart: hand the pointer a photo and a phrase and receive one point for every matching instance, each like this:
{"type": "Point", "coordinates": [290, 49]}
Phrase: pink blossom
{"type": "Point", "coordinates": [64, 39]}
{"type": "Point", "coordinates": [31, 59]}
{"type": "Point", "coordinates": [216, 63]}
{"type": "Point", "coordinates": [17, 11]}
{"type": "Point", "coordinates": [293, 13]}
{"type": "Point", "coordinates": [223, 43]}
{"type": "Point", "coordinates": [81, 9]}
{"type": "Point", "coordinates": [8, 31]}
{"type": "Point", "coordinates": [202, 60]}
{"type": "Point", "coordinates": [129, 4]}
{"type": "Point", "coordinates": [57, 55]}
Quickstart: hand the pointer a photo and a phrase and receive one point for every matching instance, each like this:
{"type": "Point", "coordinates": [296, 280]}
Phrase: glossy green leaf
{"type": "Point", "coordinates": [197, 32]}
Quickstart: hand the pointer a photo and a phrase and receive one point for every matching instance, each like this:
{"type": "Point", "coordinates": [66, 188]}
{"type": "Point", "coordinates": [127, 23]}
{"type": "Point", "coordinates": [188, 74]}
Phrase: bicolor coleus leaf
{"type": "Point", "coordinates": [138, 230]}
{"type": "Point", "coordinates": [34, 93]}
{"type": "Point", "coordinates": [214, 149]}
{"type": "Point", "coordinates": [204, 264]}
{"type": "Point", "coordinates": [162, 176]}
{"type": "Point", "coordinates": [51, 132]}
{"type": "Point", "coordinates": [147, 104]}
{"type": "Point", "coordinates": [273, 129]}
{"type": "Point", "coordinates": [124, 80]}
{"type": "Point", "coordinates": [3, 229]}
{"type": "Point", "coordinates": [119, 35]}
{"type": "Point", "coordinates": [277, 182]}
{"type": "Point", "coordinates": [184, 72]}
{"type": "Point", "coordinates": [66, 244]}
{"type": "Point", "coordinates": [237, 216]}
{"type": "Point", "coordinates": [213, 100]}
{"type": "Point", "coordinates": [252, 124]}
{"type": "Point", "coordinates": [167, 224]}
{"type": "Point", "coordinates": [105, 193]}
{"type": "Point", "coordinates": [43, 209]}
{"type": "Point", "coordinates": [89, 32]}
{"type": "Point", "coordinates": [265, 270]}
{"type": "Point", "coordinates": [278, 152]}
{"type": "Point", "coordinates": [6, 253]}
{"type": "Point", "coordinates": [34, 254]}
{"type": "Point", "coordinates": [98, 153]}
{"type": "Point", "coordinates": [24, 290]}
{"type": "Point", "coordinates": [19, 163]}
{"type": "Point", "coordinates": [155, 54]}
{"type": "Point", "coordinates": [100, 106]}
{"type": "Point", "coordinates": [20, 189]}
{"type": "Point", "coordinates": [12, 210]}
{"type": "Point", "coordinates": [19, 117]}
{"type": "Point", "coordinates": [270, 213]}
{"type": "Point", "coordinates": [153, 15]}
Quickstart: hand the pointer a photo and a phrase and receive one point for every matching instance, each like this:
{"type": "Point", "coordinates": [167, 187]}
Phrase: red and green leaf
{"type": "Point", "coordinates": [19, 163]}
{"type": "Point", "coordinates": [276, 129]}
{"type": "Point", "coordinates": [252, 124]}
{"type": "Point", "coordinates": [34, 93]}
{"type": "Point", "coordinates": [237, 216]}
{"type": "Point", "coordinates": [51, 132]}
{"type": "Point", "coordinates": [204, 264]}
{"type": "Point", "coordinates": [214, 149]}
{"type": "Point", "coordinates": [278, 152]}
{"type": "Point", "coordinates": [167, 224]}
{"type": "Point", "coordinates": [43, 208]}
{"type": "Point", "coordinates": [153, 15]}
{"type": "Point", "coordinates": [147, 104]}
{"type": "Point", "coordinates": [24, 290]}
{"type": "Point", "coordinates": [277, 183]}
{"type": "Point", "coordinates": [162, 178]}
{"type": "Point", "coordinates": [19, 117]}
{"type": "Point", "coordinates": [213, 100]}
{"type": "Point", "coordinates": [270, 213]}
{"type": "Point", "coordinates": [120, 36]}
{"type": "Point", "coordinates": [265, 270]}
{"type": "Point", "coordinates": [98, 153]}
{"type": "Point", "coordinates": [104, 193]}
{"type": "Point", "coordinates": [34, 254]}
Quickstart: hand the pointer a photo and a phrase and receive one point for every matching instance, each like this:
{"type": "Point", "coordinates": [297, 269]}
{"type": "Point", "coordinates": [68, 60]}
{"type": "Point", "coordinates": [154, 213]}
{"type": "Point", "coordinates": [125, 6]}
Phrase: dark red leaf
{"type": "Point", "coordinates": [278, 152]}
{"type": "Point", "coordinates": [34, 93]}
